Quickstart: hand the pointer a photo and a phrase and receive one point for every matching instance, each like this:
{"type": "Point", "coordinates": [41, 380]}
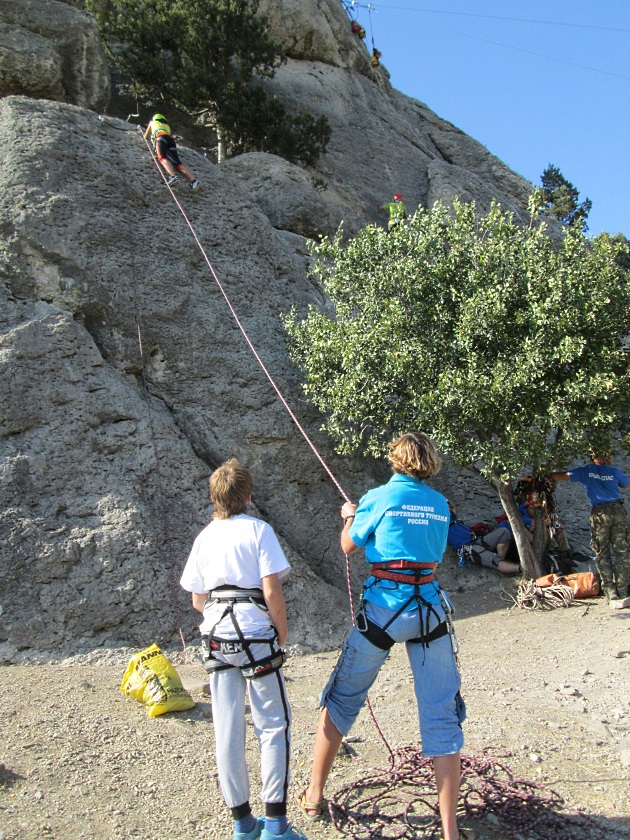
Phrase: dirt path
{"type": "Point", "coordinates": [80, 760]}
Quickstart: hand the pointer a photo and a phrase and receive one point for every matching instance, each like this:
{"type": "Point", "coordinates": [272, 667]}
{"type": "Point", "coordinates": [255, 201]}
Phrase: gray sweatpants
{"type": "Point", "coordinates": [271, 715]}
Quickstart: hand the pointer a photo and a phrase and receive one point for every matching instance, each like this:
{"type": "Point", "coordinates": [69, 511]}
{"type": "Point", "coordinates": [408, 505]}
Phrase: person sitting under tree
{"type": "Point", "coordinates": [610, 537]}
{"type": "Point", "coordinates": [166, 150]}
{"type": "Point", "coordinates": [489, 550]}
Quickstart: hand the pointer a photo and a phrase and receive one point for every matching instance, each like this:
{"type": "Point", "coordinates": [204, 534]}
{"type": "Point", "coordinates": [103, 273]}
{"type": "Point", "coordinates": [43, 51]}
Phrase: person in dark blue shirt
{"type": "Point", "coordinates": [489, 550]}
{"type": "Point", "coordinates": [610, 536]}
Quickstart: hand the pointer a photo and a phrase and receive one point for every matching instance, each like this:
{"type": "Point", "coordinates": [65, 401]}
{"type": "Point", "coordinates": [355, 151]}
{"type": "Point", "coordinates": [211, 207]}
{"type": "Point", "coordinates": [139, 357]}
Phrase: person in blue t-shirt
{"type": "Point", "coordinates": [610, 536]}
{"type": "Point", "coordinates": [402, 526]}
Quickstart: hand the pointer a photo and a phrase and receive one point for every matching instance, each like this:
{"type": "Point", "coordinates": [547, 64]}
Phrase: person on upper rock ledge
{"type": "Point", "coordinates": [166, 150]}
{"type": "Point", "coordinates": [397, 212]}
{"type": "Point", "coordinates": [610, 537]}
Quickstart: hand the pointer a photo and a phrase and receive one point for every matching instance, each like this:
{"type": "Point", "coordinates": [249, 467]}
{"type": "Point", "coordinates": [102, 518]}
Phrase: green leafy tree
{"type": "Point", "coordinates": [623, 249]}
{"type": "Point", "coordinates": [561, 199]}
{"type": "Point", "coordinates": [202, 55]}
{"type": "Point", "coordinates": [508, 350]}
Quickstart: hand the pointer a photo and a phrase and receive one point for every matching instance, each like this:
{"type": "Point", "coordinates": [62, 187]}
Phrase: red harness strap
{"type": "Point", "coordinates": [385, 571]}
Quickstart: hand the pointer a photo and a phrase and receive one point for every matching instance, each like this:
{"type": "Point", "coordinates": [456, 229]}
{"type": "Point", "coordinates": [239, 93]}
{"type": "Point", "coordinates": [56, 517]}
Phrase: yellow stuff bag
{"type": "Point", "coordinates": [152, 680]}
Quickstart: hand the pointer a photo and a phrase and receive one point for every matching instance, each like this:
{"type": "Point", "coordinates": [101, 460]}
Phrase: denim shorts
{"type": "Point", "coordinates": [441, 708]}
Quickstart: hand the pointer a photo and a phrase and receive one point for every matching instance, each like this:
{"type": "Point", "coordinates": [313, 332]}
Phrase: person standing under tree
{"type": "Point", "coordinates": [234, 572]}
{"type": "Point", "coordinates": [610, 537]}
{"type": "Point", "coordinates": [166, 150]}
{"type": "Point", "coordinates": [403, 527]}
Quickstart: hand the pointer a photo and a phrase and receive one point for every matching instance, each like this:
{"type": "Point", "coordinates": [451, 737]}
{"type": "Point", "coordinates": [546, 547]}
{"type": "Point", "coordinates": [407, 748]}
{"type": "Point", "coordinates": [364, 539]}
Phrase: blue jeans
{"type": "Point", "coordinates": [435, 676]}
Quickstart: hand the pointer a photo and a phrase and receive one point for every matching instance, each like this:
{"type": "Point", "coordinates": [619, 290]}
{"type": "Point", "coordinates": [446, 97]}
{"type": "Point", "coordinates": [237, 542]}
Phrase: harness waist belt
{"type": "Point", "coordinates": [234, 593]}
{"type": "Point", "coordinates": [385, 571]}
{"type": "Point", "coordinates": [404, 564]}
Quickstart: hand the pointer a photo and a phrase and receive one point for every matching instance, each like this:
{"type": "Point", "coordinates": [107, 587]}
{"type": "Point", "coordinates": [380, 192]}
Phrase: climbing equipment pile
{"type": "Point", "coordinates": [358, 30]}
{"type": "Point", "coordinates": [530, 596]}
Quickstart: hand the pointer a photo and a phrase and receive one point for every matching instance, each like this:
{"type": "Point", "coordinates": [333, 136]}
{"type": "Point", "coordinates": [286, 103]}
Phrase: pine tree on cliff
{"type": "Point", "coordinates": [204, 56]}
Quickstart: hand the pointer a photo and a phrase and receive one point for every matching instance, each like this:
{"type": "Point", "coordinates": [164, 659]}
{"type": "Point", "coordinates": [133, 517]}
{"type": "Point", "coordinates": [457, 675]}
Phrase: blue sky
{"type": "Point", "coordinates": [541, 82]}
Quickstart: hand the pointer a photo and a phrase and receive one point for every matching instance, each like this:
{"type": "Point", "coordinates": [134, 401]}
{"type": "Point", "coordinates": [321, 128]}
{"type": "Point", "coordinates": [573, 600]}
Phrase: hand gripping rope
{"type": "Point", "coordinates": [398, 802]}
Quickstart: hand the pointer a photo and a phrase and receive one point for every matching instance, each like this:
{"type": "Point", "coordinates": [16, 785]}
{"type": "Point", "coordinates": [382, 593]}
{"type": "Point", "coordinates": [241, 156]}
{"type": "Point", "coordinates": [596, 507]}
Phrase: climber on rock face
{"type": "Point", "coordinates": [166, 150]}
{"type": "Point", "coordinates": [397, 212]}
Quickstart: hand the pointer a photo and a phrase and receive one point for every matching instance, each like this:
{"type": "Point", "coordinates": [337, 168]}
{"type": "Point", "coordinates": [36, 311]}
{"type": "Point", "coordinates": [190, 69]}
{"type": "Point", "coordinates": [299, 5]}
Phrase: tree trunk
{"type": "Point", "coordinates": [540, 542]}
{"type": "Point", "coordinates": [530, 563]}
{"type": "Point", "coordinates": [220, 145]}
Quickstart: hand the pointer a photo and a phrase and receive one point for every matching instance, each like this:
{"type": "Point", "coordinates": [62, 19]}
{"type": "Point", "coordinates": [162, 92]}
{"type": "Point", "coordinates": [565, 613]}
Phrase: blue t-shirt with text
{"type": "Point", "coordinates": [602, 483]}
{"type": "Point", "coordinates": [404, 519]}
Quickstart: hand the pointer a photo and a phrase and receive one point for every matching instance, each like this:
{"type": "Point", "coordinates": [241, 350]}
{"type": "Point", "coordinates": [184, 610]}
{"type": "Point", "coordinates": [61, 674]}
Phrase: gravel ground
{"type": "Point", "coordinates": [547, 692]}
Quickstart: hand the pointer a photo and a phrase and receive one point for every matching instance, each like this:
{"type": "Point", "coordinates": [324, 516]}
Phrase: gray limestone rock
{"type": "Point", "coordinates": [384, 142]}
{"type": "Point", "coordinates": [51, 50]}
{"type": "Point", "coordinates": [106, 442]}
{"type": "Point", "coordinates": [80, 453]}
{"type": "Point", "coordinates": [290, 198]}
{"type": "Point", "coordinates": [319, 31]}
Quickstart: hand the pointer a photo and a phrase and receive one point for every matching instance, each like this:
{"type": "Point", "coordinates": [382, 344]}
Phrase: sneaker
{"type": "Point", "coordinates": [292, 833]}
{"type": "Point", "coordinates": [254, 834]}
{"type": "Point", "coordinates": [194, 185]}
{"type": "Point", "coordinates": [171, 180]}
{"type": "Point", "coordinates": [620, 603]}
{"type": "Point", "coordinates": [611, 594]}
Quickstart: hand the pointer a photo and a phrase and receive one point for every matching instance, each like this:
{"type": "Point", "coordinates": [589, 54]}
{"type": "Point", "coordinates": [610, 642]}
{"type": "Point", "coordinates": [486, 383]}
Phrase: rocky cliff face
{"type": "Point", "coordinates": [106, 443]}
{"type": "Point", "coordinates": [51, 50]}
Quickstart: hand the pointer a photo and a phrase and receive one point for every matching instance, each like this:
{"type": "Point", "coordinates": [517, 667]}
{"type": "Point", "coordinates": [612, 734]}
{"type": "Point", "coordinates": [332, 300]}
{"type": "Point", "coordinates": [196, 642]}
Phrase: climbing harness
{"type": "Point", "coordinates": [415, 577]}
{"type": "Point", "coordinates": [212, 644]}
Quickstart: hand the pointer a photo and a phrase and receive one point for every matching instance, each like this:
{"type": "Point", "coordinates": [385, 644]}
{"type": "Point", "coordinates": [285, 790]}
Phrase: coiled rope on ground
{"type": "Point", "coordinates": [400, 803]}
{"type": "Point", "coordinates": [529, 596]}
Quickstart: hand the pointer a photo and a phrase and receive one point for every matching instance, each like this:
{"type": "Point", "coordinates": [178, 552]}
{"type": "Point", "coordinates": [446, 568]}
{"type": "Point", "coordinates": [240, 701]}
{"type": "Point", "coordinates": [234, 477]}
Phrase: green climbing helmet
{"type": "Point", "coordinates": [159, 118]}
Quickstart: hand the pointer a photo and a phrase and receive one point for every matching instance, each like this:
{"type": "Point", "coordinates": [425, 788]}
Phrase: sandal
{"type": "Point", "coordinates": [313, 811]}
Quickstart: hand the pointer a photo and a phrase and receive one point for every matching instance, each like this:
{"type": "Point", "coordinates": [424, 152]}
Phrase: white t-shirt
{"type": "Point", "coordinates": [239, 551]}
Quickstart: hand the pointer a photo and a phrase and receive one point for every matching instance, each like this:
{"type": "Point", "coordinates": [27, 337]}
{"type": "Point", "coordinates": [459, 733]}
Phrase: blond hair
{"type": "Point", "coordinates": [414, 454]}
{"type": "Point", "coordinates": [230, 489]}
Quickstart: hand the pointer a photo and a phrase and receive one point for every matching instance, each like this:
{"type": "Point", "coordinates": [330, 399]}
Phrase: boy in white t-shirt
{"type": "Point", "coordinates": [234, 572]}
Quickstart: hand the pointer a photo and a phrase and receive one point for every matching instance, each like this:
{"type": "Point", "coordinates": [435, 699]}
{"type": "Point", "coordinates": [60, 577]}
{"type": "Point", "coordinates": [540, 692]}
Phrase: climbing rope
{"type": "Point", "coordinates": [245, 335]}
{"type": "Point", "coordinates": [529, 596]}
{"type": "Point", "coordinates": [400, 804]}
{"type": "Point", "coordinates": [283, 401]}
